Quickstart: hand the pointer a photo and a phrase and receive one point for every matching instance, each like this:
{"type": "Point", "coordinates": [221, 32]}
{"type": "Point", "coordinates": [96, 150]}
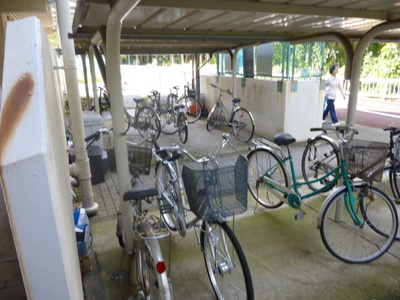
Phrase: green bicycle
{"type": "Point", "coordinates": [358, 222]}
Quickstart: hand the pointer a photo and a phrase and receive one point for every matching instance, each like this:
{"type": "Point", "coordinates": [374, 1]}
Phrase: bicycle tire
{"type": "Point", "coordinates": [214, 118]}
{"type": "Point", "coordinates": [146, 120]}
{"type": "Point", "coordinates": [320, 156]}
{"type": "Point", "coordinates": [192, 108]}
{"type": "Point", "coordinates": [167, 121]}
{"type": "Point", "coordinates": [242, 124]}
{"type": "Point", "coordinates": [182, 128]}
{"type": "Point", "coordinates": [155, 284]}
{"type": "Point", "coordinates": [226, 264]}
{"type": "Point", "coordinates": [388, 185]}
{"type": "Point", "coordinates": [350, 242]}
{"type": "Point", "coordinates": [260, 160]}
{"type": "Point", "coordinates": [166, 186]}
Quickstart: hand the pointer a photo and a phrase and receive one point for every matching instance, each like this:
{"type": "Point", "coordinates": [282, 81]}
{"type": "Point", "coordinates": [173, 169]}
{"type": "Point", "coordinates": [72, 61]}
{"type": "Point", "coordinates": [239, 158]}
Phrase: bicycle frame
{"type": "Point", "coordinates": [227, 115]}
{"type": "Point", "coordinates": [291, 195]}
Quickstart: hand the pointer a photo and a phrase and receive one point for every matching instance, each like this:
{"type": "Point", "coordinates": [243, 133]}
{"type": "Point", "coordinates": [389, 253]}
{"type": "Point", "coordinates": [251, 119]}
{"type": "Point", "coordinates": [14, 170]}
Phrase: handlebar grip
{"type": "Point", "coordinates": [316, 129]}
{"type": "Point", "coordinates": [213, 85]}
{"type": "Point", "coordinates": [95, 136]}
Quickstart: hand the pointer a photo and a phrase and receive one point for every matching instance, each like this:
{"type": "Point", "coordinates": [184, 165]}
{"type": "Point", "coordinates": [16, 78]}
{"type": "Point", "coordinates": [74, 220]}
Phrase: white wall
{"type": "Point", "coordinates": [274, 111]}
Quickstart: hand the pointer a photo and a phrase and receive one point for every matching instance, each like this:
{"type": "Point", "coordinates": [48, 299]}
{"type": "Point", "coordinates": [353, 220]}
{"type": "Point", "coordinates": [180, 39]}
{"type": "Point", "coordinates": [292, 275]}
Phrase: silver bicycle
{"type": "Point", "coordinates": [147, 266]}
{"type": "Point", "coordinates": [240, 119]}
{"type": "Point", "coordinates": [214, 192]}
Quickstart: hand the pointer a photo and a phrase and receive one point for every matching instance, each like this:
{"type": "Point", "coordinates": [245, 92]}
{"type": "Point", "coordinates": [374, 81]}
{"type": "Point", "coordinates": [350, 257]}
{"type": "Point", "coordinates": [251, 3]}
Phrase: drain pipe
{"type": "Point", "coordinates": [113, 37]}
{"type": "Point", "coordinates": [74, 100]}
{"type": "Point", "coordinates": [357, 63]}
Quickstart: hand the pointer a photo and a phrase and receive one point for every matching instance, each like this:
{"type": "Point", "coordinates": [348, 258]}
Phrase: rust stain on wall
{"type": "Point", "coordinates": [15, 105]}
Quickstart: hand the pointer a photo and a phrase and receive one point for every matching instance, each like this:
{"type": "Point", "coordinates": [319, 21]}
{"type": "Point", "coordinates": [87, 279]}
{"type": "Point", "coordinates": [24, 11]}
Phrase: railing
{"type": "Point", "coordinates": [383, 89]}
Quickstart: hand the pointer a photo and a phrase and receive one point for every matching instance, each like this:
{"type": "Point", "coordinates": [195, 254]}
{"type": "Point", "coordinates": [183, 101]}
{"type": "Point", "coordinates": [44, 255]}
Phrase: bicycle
{"type": "Point", "coordinates": [147, 266]}
{"type": "Point", "coordinates": [240, 119]}
{"type": "Point", "coordinates": [173, 117]}
{"type": "Point", "coordinates": [145, 119]}
{"type": "Point", "coordinates": [192, 106]}
{"type": "Point", "coordinates": [357, 221]}
{"type": "Point", "coordinates": [211, 196]}
{"type": "Point", "coordinates": [322, 154]}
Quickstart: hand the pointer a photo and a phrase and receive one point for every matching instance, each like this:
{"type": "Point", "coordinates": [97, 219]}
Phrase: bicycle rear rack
{"type": "Point", "coordinates": [151, 228]}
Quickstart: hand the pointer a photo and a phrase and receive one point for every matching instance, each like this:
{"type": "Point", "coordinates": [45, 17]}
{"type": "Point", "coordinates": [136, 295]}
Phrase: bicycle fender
{"type": "Point", "coordinates": [211, 112]}
{"type": "Point", "coordinates": [249, 112]}
{"type": "Point", "coordinates": [325, 137]}
{"type": "Point", "coordinates": [333, 194]}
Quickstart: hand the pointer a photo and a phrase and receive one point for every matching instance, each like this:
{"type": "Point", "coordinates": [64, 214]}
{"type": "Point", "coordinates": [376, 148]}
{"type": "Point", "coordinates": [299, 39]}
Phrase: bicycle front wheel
{"type": "Point", "coordinates": [192, 107]}
{"type": "Point", "coordinates": [389, 184]}
{"type": "Point", "coordinates": [155, 282]}
{"type": "Point", "coordinates": [262, 162]}
{"type": "Point", "coordinates": [319, 158]}
{"type": "Point", "coordinates": [215, 118]}
{"type": "Point", "coordinates": [242, 125]}
{"type": "Point", "coordinates": [225, 261]}
{"type": "Point", "coordinates": [148, 120]}
{"type": "Point", "coordinates": [169, 202]}
{"type": "Point", "coordinates": [182, 128]}
{"type": "Point", "coordinates": [361, 241]}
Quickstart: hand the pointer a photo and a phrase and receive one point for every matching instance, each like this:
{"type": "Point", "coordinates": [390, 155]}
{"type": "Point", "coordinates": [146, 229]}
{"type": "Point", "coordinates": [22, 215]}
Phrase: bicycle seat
{"type": "Point", "coordinates": [139, 191]}
{"type": "Point", "coordinates": [138, 100]}
{"type": "Point", "coordinates": [236, 100]}
{"type": "Point", "coordinates": [284, 139]}
{"type": "Point", "coordinates": [178, 107]}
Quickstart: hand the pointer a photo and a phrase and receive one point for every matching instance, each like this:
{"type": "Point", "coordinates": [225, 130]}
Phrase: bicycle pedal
{"type": "Point", "coordinates": [300, 215]}
{"type": "Point", "coordinates": [165, 208]}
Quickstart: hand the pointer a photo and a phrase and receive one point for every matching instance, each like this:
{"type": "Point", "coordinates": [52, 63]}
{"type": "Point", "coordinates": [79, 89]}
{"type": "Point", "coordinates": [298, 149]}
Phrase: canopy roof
{"type": "Point", "coordinates": [209, 26]}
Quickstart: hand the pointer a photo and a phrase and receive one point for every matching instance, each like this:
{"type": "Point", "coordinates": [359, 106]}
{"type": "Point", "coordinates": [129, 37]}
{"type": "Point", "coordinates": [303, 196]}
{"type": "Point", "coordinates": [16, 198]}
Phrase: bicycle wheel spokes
{"type": "Point", "coordinates": [192, 107]}
{"type": "Point", "coordinates": [242, 125]}
{"type": "Point", "coordinates": [147, 120]}
{"type": "Point", "coordinates": [263, 163]}
{"type": "Point", "coordinates": [215, 119]}
{"type": "Point", "coordinates": [319, 158]}
{"type": "Point", "coordinates": [352, 242]}
{"type": "Point", "coordinates": [226, 264]}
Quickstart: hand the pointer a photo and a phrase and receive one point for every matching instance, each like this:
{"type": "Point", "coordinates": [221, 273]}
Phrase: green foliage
{"type": "Point", "coordinates": [381, 61]}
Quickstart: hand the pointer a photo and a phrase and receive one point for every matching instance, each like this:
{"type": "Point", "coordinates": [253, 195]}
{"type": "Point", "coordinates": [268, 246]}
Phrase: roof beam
{"type": "Point", "coordinates": [246, 6]}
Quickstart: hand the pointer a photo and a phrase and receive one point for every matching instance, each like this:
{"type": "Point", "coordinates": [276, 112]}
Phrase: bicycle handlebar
{"type": "Point", "coordinates": [217, 87]}
{"type": "Point", "coordinates": [157, 151]}
{"type": "Point", "coordinates": [393, 130]}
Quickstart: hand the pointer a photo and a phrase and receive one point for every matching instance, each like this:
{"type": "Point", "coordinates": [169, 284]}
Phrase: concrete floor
{"type": "Point", "coordinates": [287, 257]}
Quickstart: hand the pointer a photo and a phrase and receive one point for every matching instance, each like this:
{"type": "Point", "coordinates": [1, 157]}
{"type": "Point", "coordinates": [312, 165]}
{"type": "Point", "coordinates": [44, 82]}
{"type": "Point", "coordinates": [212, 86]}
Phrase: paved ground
{"type": "Point", "coordinates": [287, 258]}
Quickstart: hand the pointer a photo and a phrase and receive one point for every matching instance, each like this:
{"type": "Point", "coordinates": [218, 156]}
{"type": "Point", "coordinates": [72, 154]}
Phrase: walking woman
{"type": "Point", "coordinates": [332, 86]}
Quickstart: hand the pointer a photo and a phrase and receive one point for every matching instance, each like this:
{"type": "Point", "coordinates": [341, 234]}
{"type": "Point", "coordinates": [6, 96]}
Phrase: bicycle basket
{"type": "Point", "coordinates": [366, 159]}
{"type": "Point", "coordinates": [396, 149]}
{"type": "Point", "coordinates": [218, 192]}
{"type": "Point", "coordinates": [139, 160]}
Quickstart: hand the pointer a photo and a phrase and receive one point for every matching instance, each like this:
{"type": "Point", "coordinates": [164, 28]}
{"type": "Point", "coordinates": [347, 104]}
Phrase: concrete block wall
{"type": "Point", "coordinates": [277, 106]}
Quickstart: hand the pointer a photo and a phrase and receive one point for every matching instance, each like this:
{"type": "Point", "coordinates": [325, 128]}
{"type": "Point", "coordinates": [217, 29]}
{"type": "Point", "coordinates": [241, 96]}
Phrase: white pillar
{"type": "Point", "coordinates": [34, 166]}
{"type": "Point", "coordinates": [82, 160]}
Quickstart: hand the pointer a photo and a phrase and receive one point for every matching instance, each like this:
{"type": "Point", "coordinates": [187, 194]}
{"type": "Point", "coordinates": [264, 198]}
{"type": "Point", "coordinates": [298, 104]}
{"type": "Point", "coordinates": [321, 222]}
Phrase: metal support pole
{"type": "Point", "coordinates": [82, 160]}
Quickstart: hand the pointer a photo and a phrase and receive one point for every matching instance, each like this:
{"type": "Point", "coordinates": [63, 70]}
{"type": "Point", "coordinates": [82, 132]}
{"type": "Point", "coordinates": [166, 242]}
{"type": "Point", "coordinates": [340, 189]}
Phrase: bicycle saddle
{"type": "Point", "coordinates": [283, 139]}
{"type": "Point", "coordinates": [138, 100]}
{"type": "Point", "coordinates": [139, 191]}
{"type": "Point", "coordinates": [236, 100]}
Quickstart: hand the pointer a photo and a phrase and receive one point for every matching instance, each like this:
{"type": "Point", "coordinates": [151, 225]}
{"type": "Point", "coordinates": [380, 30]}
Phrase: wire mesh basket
{"type": "Point", "coordinates": [139, 158]}
{"type": "Point", "coordinates": [366, 159]}
{"type": "Point", "coordinates": [217, 192]}
{"type": "Point", "coordinates": [396, 149]}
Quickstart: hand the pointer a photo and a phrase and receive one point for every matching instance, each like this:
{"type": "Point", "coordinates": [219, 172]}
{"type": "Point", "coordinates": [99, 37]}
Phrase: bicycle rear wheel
{"type": "Point", "coordinates": [225, 261]}
{"type": "Point", "coordinates": [262, 162]}
{"type": "Point", "coordinates": [350, 241]}
{"type": "Point", "coordinates": [155, 282]}
{"type": "Point", "coordinates": [192, 107]}
{"type": "Point", "coordinates": [242, 125]}
{"type": "Point", "coordinates": [215, 118]}
{"type": "Point", "coordinates": [319, 158]}
{"type": "Point", "coordinates": [182, 128]}
{"type": "Point", "coordinates": [167, 119]}
{"type": "Point", "coordinates": [147, 120]}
